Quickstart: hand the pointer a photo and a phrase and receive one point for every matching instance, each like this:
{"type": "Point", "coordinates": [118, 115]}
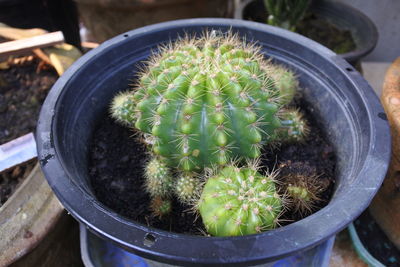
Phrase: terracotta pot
{"type": "Point", "coordinates": [385, 208]}
{"type": "Point", "coordinates": [108, 18]}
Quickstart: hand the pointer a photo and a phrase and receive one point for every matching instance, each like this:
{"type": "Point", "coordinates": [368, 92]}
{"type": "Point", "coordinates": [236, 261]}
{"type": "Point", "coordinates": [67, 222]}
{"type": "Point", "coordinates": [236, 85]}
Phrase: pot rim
{"type": "Point", "coordinates": [130, 235]}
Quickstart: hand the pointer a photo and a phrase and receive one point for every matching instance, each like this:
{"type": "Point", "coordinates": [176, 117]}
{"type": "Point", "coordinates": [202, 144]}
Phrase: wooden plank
{"type": "Point", "coordinates": [23, 45]}
{"type": "Point", "coordinates": [89, 45]}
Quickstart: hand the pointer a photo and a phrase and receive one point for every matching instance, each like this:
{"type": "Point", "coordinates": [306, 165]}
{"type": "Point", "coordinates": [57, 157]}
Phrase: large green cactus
{"type": "Point", "coordinates": [239, 202]}
{"type": "Point", "coordinates": [203, 102]}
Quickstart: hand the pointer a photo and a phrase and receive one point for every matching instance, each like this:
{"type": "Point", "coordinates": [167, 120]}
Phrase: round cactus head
{"type": "Point", "coordinates": [205, 101]}
{"type": "Point", "coordinates": [239, 201]}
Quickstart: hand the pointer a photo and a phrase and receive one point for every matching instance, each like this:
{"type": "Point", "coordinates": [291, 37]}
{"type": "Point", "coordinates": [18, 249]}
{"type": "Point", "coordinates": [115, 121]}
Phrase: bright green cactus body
{"type": "Point", "coordinates": [239, 202]}
{"type": "Point", "coordinates": [206, 101]}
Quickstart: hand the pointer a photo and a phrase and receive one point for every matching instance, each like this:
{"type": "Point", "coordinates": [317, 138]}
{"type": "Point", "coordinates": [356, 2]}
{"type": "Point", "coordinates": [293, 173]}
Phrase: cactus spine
{"type": "Point", "coordinates": [239, 201]}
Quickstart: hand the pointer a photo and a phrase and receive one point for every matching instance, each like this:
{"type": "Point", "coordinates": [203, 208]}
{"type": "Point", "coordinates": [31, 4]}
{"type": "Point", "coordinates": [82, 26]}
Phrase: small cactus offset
{"type": "Point", "coordinates": [159, 181]}
{"type": "Point", "coordinates": [303, 185]}
{"type": "Point", "coordinates": [239, 201]}
{"type": "Point", "coordinates": [160, 206]}
{"type": "Point", "coordinates": [203, 102]}
{"type": "Point", "coordinates": [188, 188]}
{"type": "Point", "coordinates": [121, 108]}
{"type": "Point", "coordinates": [294, 128]}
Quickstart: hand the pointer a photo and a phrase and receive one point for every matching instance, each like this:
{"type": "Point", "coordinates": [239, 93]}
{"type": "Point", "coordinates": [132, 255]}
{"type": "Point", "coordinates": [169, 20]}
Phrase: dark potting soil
{"type": "Point", "coordinates": [116, 172]}
{"type": "Point", "coordinates": [116, 161]}
{"type": "Point", "coordinates": [23, 88]}
{"type": "Point", "coordinates": [10, 179]}
{"type": "Point", "coordinates": [376, 241]}
{"type": "Point", "coordinates": [311, 26]}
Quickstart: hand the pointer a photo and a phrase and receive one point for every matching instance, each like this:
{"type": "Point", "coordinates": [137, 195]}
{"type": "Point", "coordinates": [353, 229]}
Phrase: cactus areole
{"type": "Point", "coordinates": [204, 101]}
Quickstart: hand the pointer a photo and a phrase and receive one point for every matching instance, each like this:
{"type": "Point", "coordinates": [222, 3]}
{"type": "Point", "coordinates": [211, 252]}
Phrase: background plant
{"type": "Point", "coordinates": [286, 13]}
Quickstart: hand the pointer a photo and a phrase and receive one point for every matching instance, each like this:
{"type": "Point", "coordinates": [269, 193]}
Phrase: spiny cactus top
{"type": "Point", "coordinates": [205, 101]}
{"type": "Point", "coordinates": [239, 201]}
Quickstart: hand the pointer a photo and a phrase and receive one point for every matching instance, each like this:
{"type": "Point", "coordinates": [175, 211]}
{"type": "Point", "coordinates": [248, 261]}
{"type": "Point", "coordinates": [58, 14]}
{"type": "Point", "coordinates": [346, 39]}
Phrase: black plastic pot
{"type": "Point", "coordinates": [362, 29]}
{"type": "Point", "coordinates": [351, 113]}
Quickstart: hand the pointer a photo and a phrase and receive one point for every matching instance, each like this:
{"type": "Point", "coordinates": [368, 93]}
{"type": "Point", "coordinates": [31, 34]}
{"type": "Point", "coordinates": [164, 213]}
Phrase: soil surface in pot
{"type": "Point", "coordinates": [24, 84]}
{"type": "Point", "coordinates": [312, 26]}
{"type": "Point", "coordinates": [375, 240]}
{"type": "Point", "coordinates": [116, 160]}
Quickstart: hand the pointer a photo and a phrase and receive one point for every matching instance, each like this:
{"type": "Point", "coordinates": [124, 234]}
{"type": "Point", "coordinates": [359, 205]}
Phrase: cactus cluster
{"type": "Point", "coordinates": [161, 185]}
{"type": "Point", "coordinates": [202, 103]}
